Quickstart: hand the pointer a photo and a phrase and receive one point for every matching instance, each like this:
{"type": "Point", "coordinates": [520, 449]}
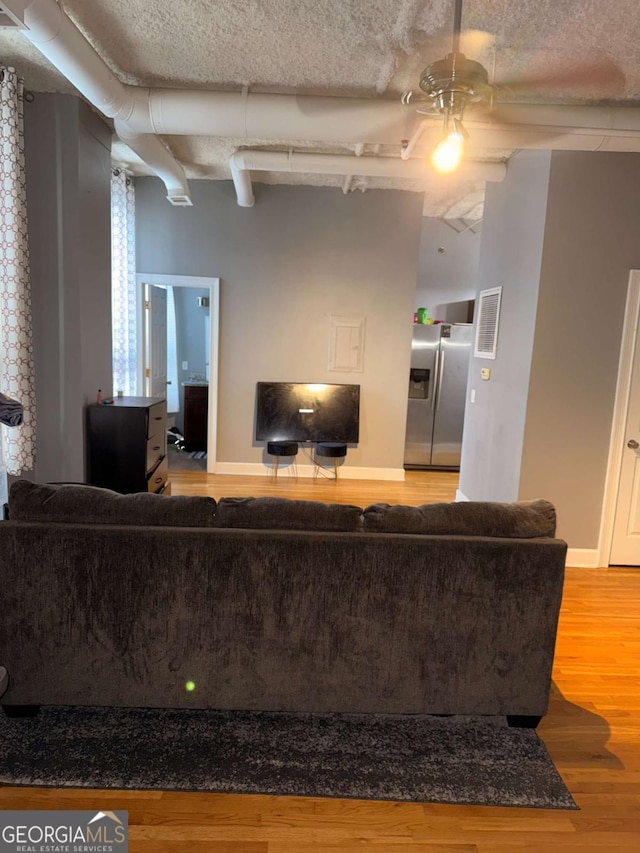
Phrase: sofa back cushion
{"type": "Point", "coordinates": [77, 504]}
{"type": "Point", "coordinates": [284, 514]}
{"type": "Point", "coordinates": [525, 520]}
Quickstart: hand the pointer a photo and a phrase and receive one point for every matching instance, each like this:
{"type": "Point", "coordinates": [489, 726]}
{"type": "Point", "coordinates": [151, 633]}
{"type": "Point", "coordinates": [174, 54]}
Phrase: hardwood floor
{"type": "Point", "coordinates": [592, 732]}
{"type": "Point", "coordinates": [419, 487]}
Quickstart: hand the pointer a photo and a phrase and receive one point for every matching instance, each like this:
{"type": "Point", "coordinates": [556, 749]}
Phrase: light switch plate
{"type": "Point", "coordinates": [185, 365]}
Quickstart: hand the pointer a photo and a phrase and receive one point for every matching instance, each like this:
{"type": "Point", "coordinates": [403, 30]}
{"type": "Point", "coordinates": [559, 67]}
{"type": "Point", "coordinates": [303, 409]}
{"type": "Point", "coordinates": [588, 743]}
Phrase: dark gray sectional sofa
{"type": "Point", "coordinates": [269, 604]}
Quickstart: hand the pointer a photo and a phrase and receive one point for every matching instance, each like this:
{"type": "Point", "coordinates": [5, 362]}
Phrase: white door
{"type": "Point", "coordinates": [155, 304]}
{"type": "Point", "coordinates": [625, 549]}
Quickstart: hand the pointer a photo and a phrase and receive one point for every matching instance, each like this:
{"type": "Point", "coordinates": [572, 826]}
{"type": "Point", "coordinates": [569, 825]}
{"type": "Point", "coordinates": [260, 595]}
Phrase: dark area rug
{"type": "Point", "coordinates": [410, 758]}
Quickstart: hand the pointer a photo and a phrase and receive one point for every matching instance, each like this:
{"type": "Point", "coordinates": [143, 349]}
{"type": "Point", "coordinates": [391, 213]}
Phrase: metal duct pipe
{"type": "Point", "coordinates": [151, 149]}
{"type": "Point", "coordinates": [357, 120]}
{"type": "Point", "coordinates": [241, 180]}
{"type": "Point", "coordinates": [140, 112]}
{"type": "Point", "coordinates": [58, 39]}
{"type": "Point", "coordinates": [246, 115]}
{"type": "Point", "coordinates": [241, 162]}
{"type": "Point", "coordinates": [483, 136]}
{"type": "Point", "coordinates": [255, 116]}
{"type": "Point", "coordinates": [487, 136]}
{"type": "Point", "coordinates": [565, 119]}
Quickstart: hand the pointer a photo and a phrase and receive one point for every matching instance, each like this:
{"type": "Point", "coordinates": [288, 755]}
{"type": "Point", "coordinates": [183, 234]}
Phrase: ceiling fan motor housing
{"type": "Point", "coordinates": [455, 81]}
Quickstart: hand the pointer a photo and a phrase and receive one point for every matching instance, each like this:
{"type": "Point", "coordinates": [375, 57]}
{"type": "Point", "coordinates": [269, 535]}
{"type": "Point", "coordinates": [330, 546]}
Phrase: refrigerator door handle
{"type": "Point", "coordinates": [440, 379]}
{"type": "Point", "coordinates": [434, 387]}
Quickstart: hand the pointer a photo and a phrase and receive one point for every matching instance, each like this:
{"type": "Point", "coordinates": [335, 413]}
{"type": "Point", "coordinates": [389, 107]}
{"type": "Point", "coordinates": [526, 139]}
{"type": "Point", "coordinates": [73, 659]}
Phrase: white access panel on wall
{"type": "Point", "coordinates": [346, 344]}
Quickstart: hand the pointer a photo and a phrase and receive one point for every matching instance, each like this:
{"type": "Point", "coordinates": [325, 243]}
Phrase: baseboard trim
{"type": "Point", "coordinates": [347, 472]}
{"type": "Point", "coordinates": [460, 496]}
{"type": "Point", "coordinates": [583, 558]}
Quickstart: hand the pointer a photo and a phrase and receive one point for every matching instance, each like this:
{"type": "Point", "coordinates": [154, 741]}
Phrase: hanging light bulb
{"type": "Point", "coordinates": [448, 153]}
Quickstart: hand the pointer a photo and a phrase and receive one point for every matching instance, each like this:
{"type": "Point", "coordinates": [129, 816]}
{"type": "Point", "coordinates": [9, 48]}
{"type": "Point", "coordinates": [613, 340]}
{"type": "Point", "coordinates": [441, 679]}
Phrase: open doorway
{"type": "Point", "coordinates": [441, 344]}
{"type": "Point", "coordinates": [178, 317]}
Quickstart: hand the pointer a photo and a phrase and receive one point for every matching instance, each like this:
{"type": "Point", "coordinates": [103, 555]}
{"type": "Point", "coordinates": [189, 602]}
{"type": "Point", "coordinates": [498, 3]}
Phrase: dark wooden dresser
{"type": "Point", "coordinates": [127, 445]}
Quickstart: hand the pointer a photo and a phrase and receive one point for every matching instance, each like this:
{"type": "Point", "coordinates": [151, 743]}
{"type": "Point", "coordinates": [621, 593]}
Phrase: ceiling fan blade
{"type": "Point", "coordinates": [598, 79]}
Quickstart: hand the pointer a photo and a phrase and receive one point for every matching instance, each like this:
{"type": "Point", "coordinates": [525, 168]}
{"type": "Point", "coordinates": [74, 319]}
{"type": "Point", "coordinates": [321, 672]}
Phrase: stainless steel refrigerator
{"type": "Point", "coordinates": [437, 395]}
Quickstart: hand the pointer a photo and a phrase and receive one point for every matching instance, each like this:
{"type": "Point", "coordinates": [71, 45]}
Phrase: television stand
{"type": "Point", "coordinates": [288, 449]}
{"type": "Point", "coordinates": [330, 450]}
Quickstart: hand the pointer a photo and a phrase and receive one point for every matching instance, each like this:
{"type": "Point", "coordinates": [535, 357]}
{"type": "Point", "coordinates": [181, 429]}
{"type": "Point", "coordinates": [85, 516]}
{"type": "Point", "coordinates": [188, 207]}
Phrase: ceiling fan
{"type": "Point", "coordinates": [454, 84]}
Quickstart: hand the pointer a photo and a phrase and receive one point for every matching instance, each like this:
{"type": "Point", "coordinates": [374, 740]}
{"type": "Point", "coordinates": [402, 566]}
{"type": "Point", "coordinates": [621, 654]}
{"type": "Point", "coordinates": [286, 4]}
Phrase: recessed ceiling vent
{"type": "Point", "coordinates": [12, 14]}
{"type": "Point", "coordinates": [487, 324]}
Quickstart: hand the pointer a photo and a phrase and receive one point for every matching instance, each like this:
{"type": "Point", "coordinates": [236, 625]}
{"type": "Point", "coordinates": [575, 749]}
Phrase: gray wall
{"type": "Point", "coordinates": [67, 151]}
{"type": "Point", "coordinates": [300, 255]}
{"type": "Point", "coordinates": [511, 257]}
{"type": "Point", "coordinates": [591, 242]}
{"type": "Point", "coordinates": [460, 312]}
{"type": "Point", "coordinates": [449, 276]}
{"type": "Point", "coordinates": [541, 426]}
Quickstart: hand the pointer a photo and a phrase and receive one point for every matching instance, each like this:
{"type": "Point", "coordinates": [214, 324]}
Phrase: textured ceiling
{"type": "Point", "coordinates": [367, 48]}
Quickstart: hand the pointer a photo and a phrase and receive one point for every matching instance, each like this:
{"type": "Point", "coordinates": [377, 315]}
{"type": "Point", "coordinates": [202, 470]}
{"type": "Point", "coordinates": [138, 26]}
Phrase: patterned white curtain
{"type": "Point", "coordinates": [123, 283]}
{"type": "Point", "coordinates": [16, 346]}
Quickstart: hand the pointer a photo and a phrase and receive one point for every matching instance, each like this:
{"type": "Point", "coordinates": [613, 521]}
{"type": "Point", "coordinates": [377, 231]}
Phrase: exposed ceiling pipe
{"type": "Point", "coordinates": [241, 162]}
{"type": "Point", "coordinates": [357, 120]}
{"type": "Point", "coordinates": [485, 136]}
{"type": "Point", "coordinates": [59, 40]}
{"type": "Point", "coordinates": [140, 113]}
{"type": "Point", "coordinates": [346, 184]}
{"type": "Point", "coordinates": [242, 182]}
{"type": "Point", "coordinates": [488, 135]}
{"type": "Point", "coordinates": [250, 115]}
{"type": "Point", "coordinates": [150, 149]}
{"type": "Point", "coordinates": [616, 121]}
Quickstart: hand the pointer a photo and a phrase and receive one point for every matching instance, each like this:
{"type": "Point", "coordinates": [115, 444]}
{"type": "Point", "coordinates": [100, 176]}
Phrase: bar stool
{"type": "Point", "coordinates": [330, 450]}
{"type": "Point", "coordinates": [284, 448]}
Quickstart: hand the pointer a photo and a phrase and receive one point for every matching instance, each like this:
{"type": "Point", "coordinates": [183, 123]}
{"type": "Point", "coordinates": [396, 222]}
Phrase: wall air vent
{"type": "Point", "coordinates": [12, 14]}
{"type": "Point", "coordinates": [487, 323]}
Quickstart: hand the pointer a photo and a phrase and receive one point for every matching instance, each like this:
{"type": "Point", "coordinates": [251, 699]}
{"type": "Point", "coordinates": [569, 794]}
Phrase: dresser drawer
{"type": "Point", "coordinates": [157, 422]}
{"type": "Point", "coordinates": [156, 449]}
{"type": "Point", "coordinates": [158, 478]}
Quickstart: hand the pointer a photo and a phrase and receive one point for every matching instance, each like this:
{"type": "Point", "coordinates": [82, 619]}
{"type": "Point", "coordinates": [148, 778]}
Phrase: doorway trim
{"type": "Point", "coordinates": [213, 284]}
{"type": "Point", "coordinates": [630, 332]}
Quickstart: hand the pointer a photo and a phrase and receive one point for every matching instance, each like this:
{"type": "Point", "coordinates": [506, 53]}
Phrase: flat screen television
{"type": "Point", "coordinates": [302, 411]}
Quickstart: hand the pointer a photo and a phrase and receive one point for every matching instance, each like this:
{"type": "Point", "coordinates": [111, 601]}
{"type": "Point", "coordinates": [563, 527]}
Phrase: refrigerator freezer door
{"type": "Point", "coordinates": [422, 394]}
{"type": "Point", "coordinates": [451, 398]}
